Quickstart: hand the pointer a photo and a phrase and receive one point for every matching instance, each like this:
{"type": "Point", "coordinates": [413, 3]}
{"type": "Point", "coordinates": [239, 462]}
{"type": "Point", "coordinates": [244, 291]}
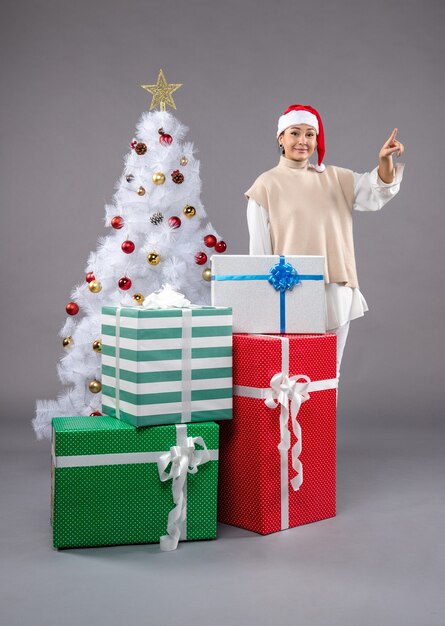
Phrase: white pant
{"type": "Point", "coordinates": [342, 334]}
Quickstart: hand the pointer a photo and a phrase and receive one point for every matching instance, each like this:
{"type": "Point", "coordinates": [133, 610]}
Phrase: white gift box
{"type": "Point", "coordinates": [271, 294]}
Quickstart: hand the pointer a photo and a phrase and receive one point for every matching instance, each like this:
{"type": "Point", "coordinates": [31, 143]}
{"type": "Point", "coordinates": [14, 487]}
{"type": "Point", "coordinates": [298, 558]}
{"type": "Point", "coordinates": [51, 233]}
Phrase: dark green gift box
{"type": "Point", "coordinates": [106, 487]}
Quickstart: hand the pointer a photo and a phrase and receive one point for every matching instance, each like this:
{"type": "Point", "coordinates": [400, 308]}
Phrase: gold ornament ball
{"type": "Point", "coordinates": [153, 258]}
{"type": "Point", "coordinates": [141, 191]}
{"type": "Point", "coordinates": [67, 342]}
{"type": "Point", "coordinates": [95, 386]}
{"type": "Point", "coordinates": [138, 298]}
{"type": "Point", "coordinates": [183, 160]}
{"type": "Point", "coordinates": [189, 210]}
{"type": "Point", "coordinates": [97, 345]}
{"type": "Point", "coordinates": [207, 273]}
{"type": "Point", "coordinates": [158, 178]}
{"type": "Point", "coordinates": [94, 286]}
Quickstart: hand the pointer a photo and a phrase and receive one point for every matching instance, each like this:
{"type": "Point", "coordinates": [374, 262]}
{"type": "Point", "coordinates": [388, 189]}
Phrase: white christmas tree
{"type": "Point", "coordinates": [159, 235]}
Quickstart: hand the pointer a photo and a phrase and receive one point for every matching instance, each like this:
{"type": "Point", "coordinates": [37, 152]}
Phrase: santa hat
{"type": "Point", "coordinates": [305, 114]}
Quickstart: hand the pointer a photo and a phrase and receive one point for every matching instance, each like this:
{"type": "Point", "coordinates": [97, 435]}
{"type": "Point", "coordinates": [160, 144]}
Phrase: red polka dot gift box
{"type": "Point", "coordinates": [277, 466]}
{"type": "Point", "coordinates": [113, 484]}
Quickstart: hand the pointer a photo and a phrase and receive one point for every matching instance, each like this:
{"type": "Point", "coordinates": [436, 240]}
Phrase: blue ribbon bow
{"type": "Point", "coordinates": [283, 276]}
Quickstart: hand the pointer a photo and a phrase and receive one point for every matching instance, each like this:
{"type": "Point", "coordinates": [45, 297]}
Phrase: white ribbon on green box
{"type": "Point", "coordinates": [183, 458]}
{"type": "Point", "coordinates": [285, 390]}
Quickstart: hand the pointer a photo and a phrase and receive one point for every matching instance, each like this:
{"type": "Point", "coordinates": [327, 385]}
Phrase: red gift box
{"type": "Point", "coordinates": [277, 456]}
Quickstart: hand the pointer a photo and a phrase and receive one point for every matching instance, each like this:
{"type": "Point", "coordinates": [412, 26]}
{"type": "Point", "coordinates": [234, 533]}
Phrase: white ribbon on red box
{"type": "Point", "coordinates": [285, 390]}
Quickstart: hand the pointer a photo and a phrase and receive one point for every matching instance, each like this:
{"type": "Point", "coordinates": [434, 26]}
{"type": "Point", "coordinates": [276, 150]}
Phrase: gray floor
{"type": "Point", "coordinates": [379, 562]}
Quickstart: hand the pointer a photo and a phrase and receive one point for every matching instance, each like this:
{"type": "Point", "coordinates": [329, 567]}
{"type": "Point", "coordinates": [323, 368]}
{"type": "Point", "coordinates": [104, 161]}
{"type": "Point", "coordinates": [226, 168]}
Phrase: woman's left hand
{"type": "Point", "coordinates": [391, 147]}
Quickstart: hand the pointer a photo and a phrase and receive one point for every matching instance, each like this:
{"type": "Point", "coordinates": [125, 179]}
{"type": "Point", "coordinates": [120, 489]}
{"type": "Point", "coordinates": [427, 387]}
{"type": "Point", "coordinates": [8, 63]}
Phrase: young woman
{"type": "Point", "coordinates": [299, 208]}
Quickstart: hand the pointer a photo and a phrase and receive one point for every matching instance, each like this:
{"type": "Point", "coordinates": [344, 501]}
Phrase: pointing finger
{"type": "Point", "coordinates": [392, 137]}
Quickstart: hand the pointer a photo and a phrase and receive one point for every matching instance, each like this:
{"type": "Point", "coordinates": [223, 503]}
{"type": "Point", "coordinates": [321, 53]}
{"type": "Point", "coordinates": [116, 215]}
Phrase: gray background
{"type": "Point", "coordinates": [70, 102]}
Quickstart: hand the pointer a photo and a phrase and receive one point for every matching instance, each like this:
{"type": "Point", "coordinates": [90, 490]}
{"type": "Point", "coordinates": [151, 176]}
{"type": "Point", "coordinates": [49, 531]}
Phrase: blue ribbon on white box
{"type": "Point", "coordinates": [282, 276]}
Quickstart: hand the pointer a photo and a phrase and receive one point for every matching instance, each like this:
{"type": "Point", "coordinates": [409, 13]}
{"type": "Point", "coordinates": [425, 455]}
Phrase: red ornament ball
{"type": "Point", "coordinates": [210, 241]}
{"type": "Point", "coordinates": [90, 277]}
{"type": "Point", "coordinates": [72, 308]}
{"type": "Point", "coordinates": [201, 258]}
{"type": "Point", "coordinates": [164, 138]}
{"type": "Point", "coordinates": [174, 222]}
{"type": "Point", "coordinates": [220, 246]}
{"type": "Point", "coordinates": [117, 222]}
{"type": "Point", "coordinates": [128, 247]}
{"type": "Point", "coordinates": [124, 283]}
{"type": "Point", "coordinates": [95, 414]}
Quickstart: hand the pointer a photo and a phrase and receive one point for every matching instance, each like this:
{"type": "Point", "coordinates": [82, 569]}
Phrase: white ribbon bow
{"type": "Point", "coordinates": [166, 298]}
{"type": "Point", "coordinates": [182, 460]}
{"type": "Point", "coordinates": [284, 389]}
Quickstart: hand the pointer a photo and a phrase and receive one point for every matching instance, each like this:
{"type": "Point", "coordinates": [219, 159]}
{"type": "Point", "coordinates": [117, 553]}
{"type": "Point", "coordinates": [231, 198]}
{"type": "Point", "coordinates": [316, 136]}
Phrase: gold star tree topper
{"type": "Point", "coordinates": [162, 93]}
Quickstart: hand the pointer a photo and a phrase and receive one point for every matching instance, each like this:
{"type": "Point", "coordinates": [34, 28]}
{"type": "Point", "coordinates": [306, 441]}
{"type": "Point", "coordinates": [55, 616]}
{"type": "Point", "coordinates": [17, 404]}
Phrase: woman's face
{"type": "Point", "coordinates": [299, 142]}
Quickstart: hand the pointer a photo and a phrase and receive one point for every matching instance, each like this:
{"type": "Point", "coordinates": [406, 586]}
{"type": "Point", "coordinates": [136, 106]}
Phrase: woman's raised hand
{"type": "Point", "coordinates": [392, 146]}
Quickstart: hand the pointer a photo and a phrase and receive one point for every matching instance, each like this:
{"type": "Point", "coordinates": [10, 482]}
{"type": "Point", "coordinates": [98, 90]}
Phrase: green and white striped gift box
{"type": "Point", "coordinates": [167, 366]}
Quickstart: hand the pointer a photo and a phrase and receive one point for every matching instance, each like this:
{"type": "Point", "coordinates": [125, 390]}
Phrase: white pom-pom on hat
{"type": "Point", "coordinates": [320, 168]}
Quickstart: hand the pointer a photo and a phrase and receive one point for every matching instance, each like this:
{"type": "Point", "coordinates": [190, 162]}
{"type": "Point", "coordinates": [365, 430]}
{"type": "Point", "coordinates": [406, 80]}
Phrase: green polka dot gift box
{"type": "Point", "coordinates": [167, 366]}
{"type": "Point", "coordinates": [113, 484]}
